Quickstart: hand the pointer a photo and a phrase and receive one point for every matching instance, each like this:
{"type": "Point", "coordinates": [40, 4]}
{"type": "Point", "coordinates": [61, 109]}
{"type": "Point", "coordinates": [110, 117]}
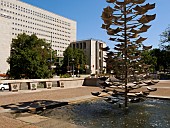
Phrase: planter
{"type": "Point", "coordinates": [32, 86]}
{"type": "Point", "coordinates": [14, 87]}
{"type": "Point", "coordinates": [48, 85]}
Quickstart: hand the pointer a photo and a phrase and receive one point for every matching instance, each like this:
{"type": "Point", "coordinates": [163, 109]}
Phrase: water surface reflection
{"type": "Point", "coordinates": [99, 114]}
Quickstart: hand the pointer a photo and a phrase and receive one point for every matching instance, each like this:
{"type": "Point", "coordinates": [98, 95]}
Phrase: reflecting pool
{"type": "Point", "coordinates": [152, 113]}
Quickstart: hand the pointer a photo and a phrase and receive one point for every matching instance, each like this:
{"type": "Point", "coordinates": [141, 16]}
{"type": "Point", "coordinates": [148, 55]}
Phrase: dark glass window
{"type": "Point", "coordinates": [84, 45]}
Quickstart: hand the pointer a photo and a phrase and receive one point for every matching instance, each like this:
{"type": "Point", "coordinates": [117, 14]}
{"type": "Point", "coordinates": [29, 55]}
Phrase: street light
{"type": "Point", "coordinates": [51, 52]}
{"type": "Point", "coordinates": [43, 47]}
{"type": "Point", "coordinates": [73, 67]}
{"type": "Point", "coordinates": [86, 68]}
{"type": "Point", "coordinates": [78, 70]}
{"type": "Point", "coordinates": [50, 48]}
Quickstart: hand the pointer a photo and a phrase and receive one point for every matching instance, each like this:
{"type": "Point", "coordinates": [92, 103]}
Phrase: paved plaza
{"type": "Point", "coordinates": [56, 94]}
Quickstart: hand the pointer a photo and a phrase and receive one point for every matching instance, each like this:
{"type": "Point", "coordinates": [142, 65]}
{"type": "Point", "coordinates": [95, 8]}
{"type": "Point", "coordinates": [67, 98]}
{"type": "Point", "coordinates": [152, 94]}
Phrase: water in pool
{"type": "Point", "coordinates": [151, 113]}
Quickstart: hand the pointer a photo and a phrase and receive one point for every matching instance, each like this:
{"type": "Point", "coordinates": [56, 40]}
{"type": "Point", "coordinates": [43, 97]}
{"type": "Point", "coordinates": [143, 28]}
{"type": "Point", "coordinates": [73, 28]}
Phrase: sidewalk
{"type": "Point", "coordinates": [11, 99]}
{"type": "Point", "coordinates": [55, 94]}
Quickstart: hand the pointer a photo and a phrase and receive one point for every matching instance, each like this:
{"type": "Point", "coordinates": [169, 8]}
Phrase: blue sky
{"type": "Point", "coordinates": [87, 14]}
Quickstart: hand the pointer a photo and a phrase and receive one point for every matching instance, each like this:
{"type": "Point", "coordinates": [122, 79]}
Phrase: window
{"type": "Point", "coordinates": [80, 45]}
{"type": "Point", "coordinates": [100, 54]}
{"type": "Point", "coordinates": [73, 45]}
{"type": "Point", "coordinates": [84, 45]}
{"type": "Point", "coordinates": [77, 45]}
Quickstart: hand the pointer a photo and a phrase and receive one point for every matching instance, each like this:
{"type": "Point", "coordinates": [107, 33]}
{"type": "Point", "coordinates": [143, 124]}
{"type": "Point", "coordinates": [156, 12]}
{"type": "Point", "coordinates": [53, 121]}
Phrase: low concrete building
{"type": "Point", "coordinates": [95, 56]}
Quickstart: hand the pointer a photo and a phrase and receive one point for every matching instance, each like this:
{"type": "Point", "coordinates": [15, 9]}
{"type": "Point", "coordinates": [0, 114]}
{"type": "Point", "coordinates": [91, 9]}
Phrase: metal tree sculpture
{"type": "Point", "coordinates": [124, 22]}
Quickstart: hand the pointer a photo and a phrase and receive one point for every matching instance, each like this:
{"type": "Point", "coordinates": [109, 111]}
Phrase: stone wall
{"type": "Point", "coordinates": [58, 82]}
{"type": "Point", "coordinates": [91, 82]}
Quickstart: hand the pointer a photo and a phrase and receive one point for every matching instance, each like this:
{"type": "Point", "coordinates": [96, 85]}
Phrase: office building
{"type": "Point", "coordinates": [17, 17]}
{"type": "Point", "coordinates": [95, 56]}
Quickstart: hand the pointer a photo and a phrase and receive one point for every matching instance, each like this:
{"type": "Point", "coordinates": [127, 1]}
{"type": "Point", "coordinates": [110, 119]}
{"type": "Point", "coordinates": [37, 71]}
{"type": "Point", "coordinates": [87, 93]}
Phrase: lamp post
{"type": "Point", "coordinates": [42, 51]}
{"type": "Point", "coordinates": [86, 68]}
{"type": "Point", "coordinates": [51, 58]}
{"type": "Point", "coordinates": [51, 53]}
{"type": "Point", "coordinates": [78, 70]}
{"type": "Point", "coordinates": [42, 47]}
{"type": "Point", "coordinates": [68, 66]}
{"type": "Point", "coordinates": [73, 67]}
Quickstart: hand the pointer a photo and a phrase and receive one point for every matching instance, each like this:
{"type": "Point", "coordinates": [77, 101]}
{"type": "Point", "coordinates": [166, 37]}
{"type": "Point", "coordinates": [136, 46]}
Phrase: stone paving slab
{"type": "Point", "coordinates": [32, 118]}
{"type": "Point", "coordinates": [7, 122]}
{"type": "Point", "coordinates": [44, 122]}
{"type": "Point", "coordinates": [53, 123]}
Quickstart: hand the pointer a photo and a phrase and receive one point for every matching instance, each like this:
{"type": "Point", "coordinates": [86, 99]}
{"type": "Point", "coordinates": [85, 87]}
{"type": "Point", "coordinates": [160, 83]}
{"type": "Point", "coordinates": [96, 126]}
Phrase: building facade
{"type": "Point", "coordinates": [17, 17]}
{"type": "Point", "coordinates": [95, 56]}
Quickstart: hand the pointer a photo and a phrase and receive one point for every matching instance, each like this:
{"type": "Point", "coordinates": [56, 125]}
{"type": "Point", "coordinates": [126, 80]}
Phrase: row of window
{"type": "Point", "coordinates": [54, 45]}
{"type": "Point", "coordinates": [58, 46]}
{"type": "Point", "coordinates": [44, 35]}
{"type": "Point", "coordinates": [42, 30]}
{"type": "Point", "coordinates": [44, 26]}
{"type": "Point", "coordinates": [35, 20]}
{"type": "Point", "coordinates": [29, 32]}
{"type": "Point", "coordinates": [79, 45]}
{"type": "Point", "coordinates": [40, 34]}
{"type": "Point", "coordinates": [5, 16]}
{"type": "Point", "coordinates": [38, 14]}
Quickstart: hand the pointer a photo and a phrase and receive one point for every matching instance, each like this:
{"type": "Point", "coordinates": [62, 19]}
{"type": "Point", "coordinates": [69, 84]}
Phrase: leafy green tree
{"type": "Point", "coordinates": [109, 62]}
{"type": "Point", "coordinates": [29, 57]}
{"type": "Point", "coordinates": [157, 53]}
{"type": "Point", "coordinates": [164, 56]}
{"type": "Point", "coordinates": [165, 39]}
{"type": "Point", "coordinates": [163, 59]}
{"type": "Point", "coordinates": [76, 57]}
{"type": "Point", "coordinates": [148, 59]}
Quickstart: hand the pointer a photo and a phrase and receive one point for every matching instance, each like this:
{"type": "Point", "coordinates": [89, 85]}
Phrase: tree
{"type": "Point", "coordinates": [165, 39]}
{"type": "Point", "coordinates": [109, 61]}
{"type": "Point", "coordinates": [148, 59]}
{"type": "Point", "coordinates": [74, 56]}
{"type": "Point", "coordinates": [29, 57]}
{"type": "Point", "coordinates": [157, 53]}
{"type": "Point", "coordinates": [163, 59]}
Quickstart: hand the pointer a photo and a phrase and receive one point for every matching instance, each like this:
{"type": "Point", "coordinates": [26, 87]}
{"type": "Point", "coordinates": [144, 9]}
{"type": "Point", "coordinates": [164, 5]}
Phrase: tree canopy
{"type": "Point", "coordinates": [74, 56]}
{"type": "Point", "coordinates": [148, 58]}
{"type": "Point", "coordinates": [29, 57]}
{"type": "Point", "coordinates": [165, 39]}
{"type": "Point", "coordinates": [162, 59]}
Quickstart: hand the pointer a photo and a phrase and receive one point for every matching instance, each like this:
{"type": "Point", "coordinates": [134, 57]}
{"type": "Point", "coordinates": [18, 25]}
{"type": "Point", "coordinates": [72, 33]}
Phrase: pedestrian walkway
{"type": "Point", "coordinates": [10, 99]}
{"type": "Point", "coordinates": [70, 95]}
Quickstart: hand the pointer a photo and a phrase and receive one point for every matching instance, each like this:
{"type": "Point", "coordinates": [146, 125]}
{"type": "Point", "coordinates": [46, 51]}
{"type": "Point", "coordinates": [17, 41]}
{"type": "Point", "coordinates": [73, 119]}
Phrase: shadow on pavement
{"type": "Point", "coordinates": [33, 106]}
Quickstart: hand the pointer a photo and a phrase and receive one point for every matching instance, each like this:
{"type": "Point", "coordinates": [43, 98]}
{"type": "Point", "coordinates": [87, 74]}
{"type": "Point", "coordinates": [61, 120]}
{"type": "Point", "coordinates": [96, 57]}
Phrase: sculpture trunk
{"type": "Point", "coordinates": [126, 66]}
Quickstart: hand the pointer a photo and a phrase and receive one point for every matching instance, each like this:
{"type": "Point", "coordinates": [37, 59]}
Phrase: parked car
{"type": "Point", "coordinates": [4, 86]}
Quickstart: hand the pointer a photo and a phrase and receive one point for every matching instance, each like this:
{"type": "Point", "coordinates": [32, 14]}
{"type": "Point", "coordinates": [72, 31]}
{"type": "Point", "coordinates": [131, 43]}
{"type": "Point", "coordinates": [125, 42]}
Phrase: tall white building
{"type": "Point", "coordinates": [18, 17]}
{"type": "Point", "coordinates": [95, 56]}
